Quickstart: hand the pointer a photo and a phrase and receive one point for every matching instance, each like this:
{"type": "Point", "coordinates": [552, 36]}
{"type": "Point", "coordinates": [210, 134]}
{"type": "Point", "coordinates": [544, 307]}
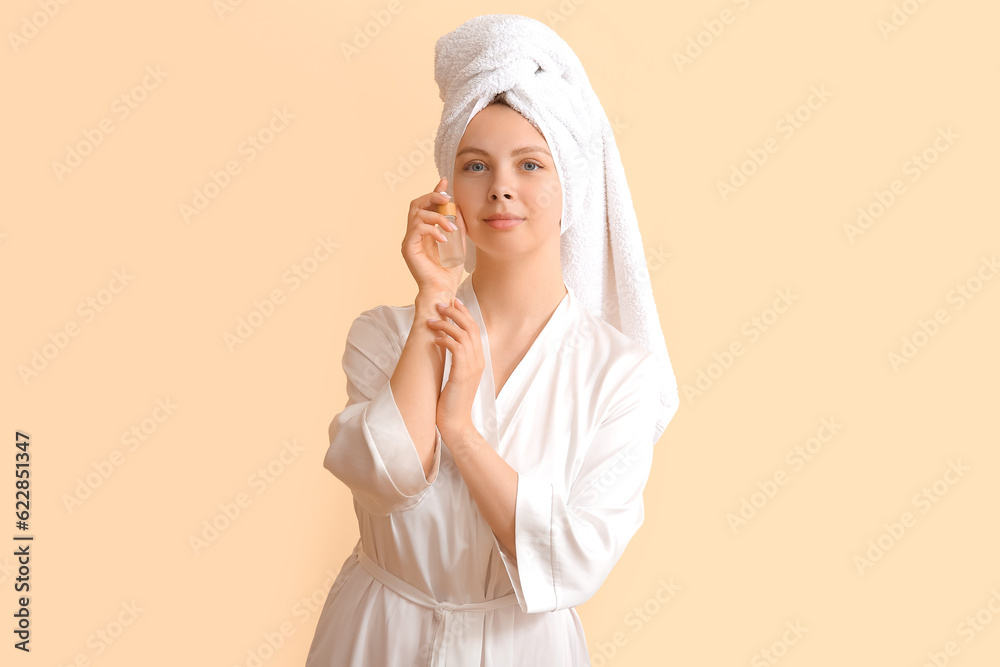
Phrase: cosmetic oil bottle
{"type": "Point", "coordinates": [450, 251]}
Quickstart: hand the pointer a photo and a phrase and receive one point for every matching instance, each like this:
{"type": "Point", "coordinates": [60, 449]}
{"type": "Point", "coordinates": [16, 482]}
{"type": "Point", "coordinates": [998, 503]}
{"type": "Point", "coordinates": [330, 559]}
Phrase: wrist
{"type": "Point", "coordinates": [427, 297]}
{"type": "Point", "coordinates": [425, 309]}
{"type": "Point", "coordinates": [461, 439]}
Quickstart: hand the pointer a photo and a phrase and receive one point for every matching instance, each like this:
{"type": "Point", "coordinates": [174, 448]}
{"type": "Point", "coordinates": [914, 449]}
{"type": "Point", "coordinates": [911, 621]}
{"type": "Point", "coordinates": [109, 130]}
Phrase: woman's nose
{"type": "Point", "coordinates": [501, 187]}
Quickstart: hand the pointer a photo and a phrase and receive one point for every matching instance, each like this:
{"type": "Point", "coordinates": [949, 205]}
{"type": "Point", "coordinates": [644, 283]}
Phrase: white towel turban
{"type": "Point", "coordinates": [603, 261]}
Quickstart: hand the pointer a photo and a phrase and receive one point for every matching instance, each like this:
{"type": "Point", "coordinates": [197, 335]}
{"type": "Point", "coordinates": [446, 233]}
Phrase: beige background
{"type": "Point", "coordinates": [716, 263]}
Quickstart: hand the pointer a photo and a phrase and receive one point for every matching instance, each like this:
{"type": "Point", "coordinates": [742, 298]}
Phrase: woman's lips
{"type": "Point", "coordinates": [504, 223]}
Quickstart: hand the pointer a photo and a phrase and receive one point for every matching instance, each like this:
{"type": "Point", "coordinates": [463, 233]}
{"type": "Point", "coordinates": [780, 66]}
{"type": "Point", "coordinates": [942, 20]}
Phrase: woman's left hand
{"type": "Point", "coordinates": [462, 338]}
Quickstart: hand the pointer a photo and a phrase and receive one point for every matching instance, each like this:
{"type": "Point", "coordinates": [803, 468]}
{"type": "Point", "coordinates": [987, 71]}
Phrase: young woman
{"type": "Point", "coordinates": [497, 437]}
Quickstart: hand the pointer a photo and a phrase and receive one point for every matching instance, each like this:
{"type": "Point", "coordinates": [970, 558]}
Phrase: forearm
{"type": "Point", "coordinates": [416, 380]}
{"type": "Point", "coordinates": [492, 483]}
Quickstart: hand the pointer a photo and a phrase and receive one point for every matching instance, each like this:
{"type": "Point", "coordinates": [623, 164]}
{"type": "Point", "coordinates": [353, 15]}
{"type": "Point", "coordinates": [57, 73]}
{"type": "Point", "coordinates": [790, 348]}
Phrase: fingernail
{"type": "Point", "coordinates": [432, 319]}
{"type": "Point", "coordinates": [441, 305]}
{"type": "Point", "coordinates": [459, 300]}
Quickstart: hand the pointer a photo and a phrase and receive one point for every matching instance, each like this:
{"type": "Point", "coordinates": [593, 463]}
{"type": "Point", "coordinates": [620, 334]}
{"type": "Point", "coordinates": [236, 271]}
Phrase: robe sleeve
{"type": "Point", "coordinates": [567, 543]}
{"type": "Point", "coordinates": [370, 449]}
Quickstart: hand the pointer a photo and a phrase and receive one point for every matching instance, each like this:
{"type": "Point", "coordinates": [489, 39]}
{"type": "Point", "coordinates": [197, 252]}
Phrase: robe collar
{"type": "Point", "coordinates": [553, 339]}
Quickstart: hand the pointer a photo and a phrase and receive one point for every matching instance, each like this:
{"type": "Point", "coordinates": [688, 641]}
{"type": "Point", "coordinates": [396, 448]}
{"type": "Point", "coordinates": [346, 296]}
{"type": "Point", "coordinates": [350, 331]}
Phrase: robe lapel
{"type": "Point", "coordinates": [484, 413]}
{"type": "Point", "coordinates": [498, 410]}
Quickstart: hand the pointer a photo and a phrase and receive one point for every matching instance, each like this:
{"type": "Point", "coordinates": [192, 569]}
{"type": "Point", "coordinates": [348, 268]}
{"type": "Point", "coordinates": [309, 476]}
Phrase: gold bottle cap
{"type": "Point", "coordinates": [447, 208]}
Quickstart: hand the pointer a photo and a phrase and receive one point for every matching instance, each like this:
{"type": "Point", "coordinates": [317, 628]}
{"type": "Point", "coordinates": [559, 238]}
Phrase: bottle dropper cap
{"type": "Point", "coordinates": [447, 208]}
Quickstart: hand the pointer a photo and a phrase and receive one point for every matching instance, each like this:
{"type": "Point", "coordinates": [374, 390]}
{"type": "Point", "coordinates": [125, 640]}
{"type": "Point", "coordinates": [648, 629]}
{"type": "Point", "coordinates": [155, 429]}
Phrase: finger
{"type": "Point", "coordinates": [452, 312]}
{"type": "Point", "coordinates": [446, 327]}
{"type": "Point", "coordinates": [460, 225]}
{"type": "Point", "coordinates": [459, 358]}
{"type": "Point", "coordinates": [422, 229]}
{"type": "Point", "coordinates": [461, 315]}
{"type": "Point", "coordinates": [472, 326]}
{"type": "Point", "coordinates": [428, 229]}
{"type": "Point", "coordinates": [440, 194]}
{"type": "Point", "coordinates": [431, 199]}
{"type": "Point", "coordinates": [459, 352]}
{"type": "Point", "coordinates": [452, 345]}
{"type": "Point", "coordinates": [432, 218]}
{"type": "Point", "coordinates": [454, 332]}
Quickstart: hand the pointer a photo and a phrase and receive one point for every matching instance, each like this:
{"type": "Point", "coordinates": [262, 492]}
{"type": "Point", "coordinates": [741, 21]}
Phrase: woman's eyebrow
{"type": "Point", "coordinates": [516, 151]}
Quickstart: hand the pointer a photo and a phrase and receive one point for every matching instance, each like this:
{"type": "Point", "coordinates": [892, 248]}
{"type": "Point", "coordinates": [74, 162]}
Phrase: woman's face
{"type": "Point", "coordinates": [489, 180]}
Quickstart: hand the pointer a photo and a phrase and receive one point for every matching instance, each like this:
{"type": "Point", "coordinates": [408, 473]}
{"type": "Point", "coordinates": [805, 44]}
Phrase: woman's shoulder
{"type": "Point", "coordinates": [622, 371]}
{"type": "Point", "coordinates": [606, 340]}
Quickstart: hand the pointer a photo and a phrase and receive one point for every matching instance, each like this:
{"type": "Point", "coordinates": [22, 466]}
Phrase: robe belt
{"type": "Point", "coordinates": [446, 633]}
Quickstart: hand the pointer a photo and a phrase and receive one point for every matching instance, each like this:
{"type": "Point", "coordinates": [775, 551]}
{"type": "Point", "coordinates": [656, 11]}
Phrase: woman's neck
{"type": "Point", "coordinates": [517, 296]}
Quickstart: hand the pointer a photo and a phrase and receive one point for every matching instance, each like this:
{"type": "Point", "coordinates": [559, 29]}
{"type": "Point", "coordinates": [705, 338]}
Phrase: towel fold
{"type": "Point", "coordinates": [602, 255]}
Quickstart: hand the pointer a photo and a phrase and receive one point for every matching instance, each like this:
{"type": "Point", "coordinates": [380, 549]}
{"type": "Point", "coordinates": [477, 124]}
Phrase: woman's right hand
{"type": "Point", "coordinates": [419, 245]}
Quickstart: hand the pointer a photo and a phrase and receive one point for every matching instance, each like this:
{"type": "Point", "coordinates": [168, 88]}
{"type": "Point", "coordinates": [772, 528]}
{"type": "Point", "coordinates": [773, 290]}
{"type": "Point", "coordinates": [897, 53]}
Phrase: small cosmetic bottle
{"type": "Point", "coordinates": [450, 251]}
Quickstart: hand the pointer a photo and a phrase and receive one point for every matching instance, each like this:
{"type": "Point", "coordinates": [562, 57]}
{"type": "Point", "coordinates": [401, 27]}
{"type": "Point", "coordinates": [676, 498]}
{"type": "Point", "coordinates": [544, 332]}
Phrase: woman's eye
{"type": "Point", "coordinates": [471, 165]}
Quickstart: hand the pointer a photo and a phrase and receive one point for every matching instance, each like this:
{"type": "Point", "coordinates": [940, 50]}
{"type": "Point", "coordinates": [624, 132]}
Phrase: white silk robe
{"type": "Point", "coordinates": [575, 419]}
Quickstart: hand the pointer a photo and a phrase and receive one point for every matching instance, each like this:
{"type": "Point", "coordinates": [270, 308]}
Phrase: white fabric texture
{"type": "Point", "coordinates": [579, 432]}
{"type": "Point", "coordinates": [603, 259]}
